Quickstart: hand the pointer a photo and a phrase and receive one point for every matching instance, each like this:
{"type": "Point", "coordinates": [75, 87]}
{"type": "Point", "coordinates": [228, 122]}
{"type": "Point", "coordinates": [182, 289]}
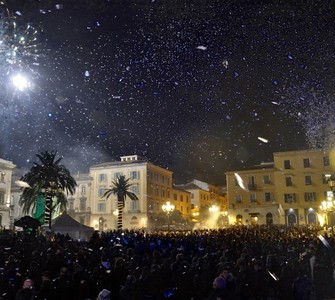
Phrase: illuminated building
{"type": "Point", "coordinates": [287, 191]}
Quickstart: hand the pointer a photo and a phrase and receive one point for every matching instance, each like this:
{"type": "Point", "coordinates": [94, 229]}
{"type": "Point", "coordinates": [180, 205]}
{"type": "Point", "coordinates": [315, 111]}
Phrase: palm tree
{"type": "Point", "coordinates": [50, 179]}
{"type": "Point", "coordinates": [120, 188]}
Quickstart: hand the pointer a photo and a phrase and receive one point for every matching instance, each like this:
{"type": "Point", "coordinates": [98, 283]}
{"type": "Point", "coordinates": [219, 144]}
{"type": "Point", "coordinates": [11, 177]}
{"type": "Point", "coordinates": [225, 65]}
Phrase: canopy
{"type": "Point", "coordinates": [65, 224]}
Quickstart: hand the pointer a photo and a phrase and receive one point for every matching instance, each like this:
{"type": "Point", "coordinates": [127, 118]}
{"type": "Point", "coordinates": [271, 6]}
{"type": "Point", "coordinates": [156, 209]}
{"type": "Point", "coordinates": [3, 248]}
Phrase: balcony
{"type": "Point", "coordinates": [252, 187]}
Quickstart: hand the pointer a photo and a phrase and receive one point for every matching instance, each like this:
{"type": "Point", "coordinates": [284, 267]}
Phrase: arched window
{"type": "Point", "coordinates": [311, 218]}
{"type": "Point", "coordinates": [269, 219]}
{"type": "Point", "coordinates": [291, 219]}
{"type": "Point", "coordinates": [134, 221]}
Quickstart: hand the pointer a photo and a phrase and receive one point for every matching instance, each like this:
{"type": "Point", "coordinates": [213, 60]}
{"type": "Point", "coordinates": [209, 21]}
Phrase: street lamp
{"type": "Point", "coordinates": [331, 183]}
{"type": "Point", "coordinates": [168, 208]}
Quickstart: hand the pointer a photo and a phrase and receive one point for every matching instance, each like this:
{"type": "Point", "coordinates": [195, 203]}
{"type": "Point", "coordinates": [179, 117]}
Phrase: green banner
{"type": "Point", "coordinates": [40, 208]}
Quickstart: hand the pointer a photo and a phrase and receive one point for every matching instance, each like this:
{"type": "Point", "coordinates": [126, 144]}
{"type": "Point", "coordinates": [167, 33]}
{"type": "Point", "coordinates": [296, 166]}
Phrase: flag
{"type": "Point", "coordinates": [40, 208]}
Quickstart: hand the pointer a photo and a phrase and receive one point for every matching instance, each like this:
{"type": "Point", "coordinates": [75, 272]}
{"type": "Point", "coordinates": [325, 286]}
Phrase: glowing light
{"type": "Point", "coordinates": [19, 47]}
{"type": "Point", "coordinates": [20, 82]}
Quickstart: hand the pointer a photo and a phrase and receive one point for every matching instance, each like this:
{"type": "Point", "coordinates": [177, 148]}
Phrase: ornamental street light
{"type": "Point", "coordinates": [328, 205]}
{"type": "Point", "coordinates": [331, 183]}
{"type": "Point", "coordinates": [168, 208]}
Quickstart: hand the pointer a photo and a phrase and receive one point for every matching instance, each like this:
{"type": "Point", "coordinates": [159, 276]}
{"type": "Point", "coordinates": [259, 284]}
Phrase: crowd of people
{"type": "Point", "coordinates": [239, 262]}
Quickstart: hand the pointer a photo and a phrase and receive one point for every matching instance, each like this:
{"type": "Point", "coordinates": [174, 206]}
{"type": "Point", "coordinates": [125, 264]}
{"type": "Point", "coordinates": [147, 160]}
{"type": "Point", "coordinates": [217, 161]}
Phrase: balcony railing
{"type": "Point", "coordinates": [252, 186]}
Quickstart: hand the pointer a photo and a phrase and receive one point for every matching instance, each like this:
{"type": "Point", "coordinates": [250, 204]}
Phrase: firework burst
{"type": "Point", "coordinates": [19, 45]}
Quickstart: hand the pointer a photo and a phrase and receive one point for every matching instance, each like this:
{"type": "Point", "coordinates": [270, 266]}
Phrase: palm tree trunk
{"type": "Point", "coordinates": [48, 209]}
{"type": "Point", "coordinates": [119, 215]}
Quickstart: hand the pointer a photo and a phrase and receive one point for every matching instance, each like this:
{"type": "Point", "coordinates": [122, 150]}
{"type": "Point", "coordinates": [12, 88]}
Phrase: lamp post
{"type": "Point", "coordinates": [168, 208]}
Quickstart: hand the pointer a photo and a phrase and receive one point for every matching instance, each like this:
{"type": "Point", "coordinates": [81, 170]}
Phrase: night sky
{"type": "Point", "coordinates": [199, 87]}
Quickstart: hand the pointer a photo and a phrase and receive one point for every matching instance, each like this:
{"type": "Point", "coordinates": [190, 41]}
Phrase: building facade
{"type": "Point", "coordinates": [6, 203]}
{"type": "Point", "coordinates": [287, 191]}
{"type": "Point", "coordinates": [206, 196]}
{"type": "Point", "coordinates": [151, 184]}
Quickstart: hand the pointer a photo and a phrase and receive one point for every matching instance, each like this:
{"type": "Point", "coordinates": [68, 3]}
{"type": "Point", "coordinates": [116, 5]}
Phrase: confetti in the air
{"type": "Point", "coordinates": [263, 140]}
{"type": "Point", "coordinates": [240, 182]}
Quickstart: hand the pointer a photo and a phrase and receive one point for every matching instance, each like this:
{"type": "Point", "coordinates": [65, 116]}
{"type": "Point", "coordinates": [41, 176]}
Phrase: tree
{"type": "Point", "coordinates": [49, 178]}
{"type": "Point", "coordinates": [120, 187]}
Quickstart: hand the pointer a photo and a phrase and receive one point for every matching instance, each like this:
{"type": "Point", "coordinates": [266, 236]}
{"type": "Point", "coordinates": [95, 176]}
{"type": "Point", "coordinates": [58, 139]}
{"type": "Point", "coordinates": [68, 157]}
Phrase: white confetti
{"type": "Point", "coordinates": [263, 139]}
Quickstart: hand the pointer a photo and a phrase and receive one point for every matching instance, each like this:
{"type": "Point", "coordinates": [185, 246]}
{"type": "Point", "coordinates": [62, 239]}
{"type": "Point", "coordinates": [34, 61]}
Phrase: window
{"type": "Point", "coordinates": [326, 162]}
{"type": "Point", "coordinates": [287, 164]}
{"type": "Point", "coordinates": [310, 197]}
{"type": "Point", "coordinates": [306, 163]}
{"type": "Point", "coordinates": [308, 180]}
{"type": "Point", "coordinates": [175, 197]}
{"type": "Point", "coordinates": [83, 189]}
{"type": "Point", "coordinates": [117, 175]}
{"type": "Point", "coordinates": [266, 179]}
{"type": "Point", "coordinates": [288, 181]}
{"type": "Point", "coordinates": [267, 197]}
{"type": "Point", "coordinates": [101, 192]}
{"type": "Point", "coordinates": [134, 189]}
{"type": "Point", "coordinates": [238, 198]}
{"type": "Point", "coordinates": [102, 177]}
{"type": "Point", "coordinates": [134, 175]}
{"type": "Point", "coordinates": [82, 204]}
{"type": "Point", "coordinates": [253, 198]}
{"type": "Point", "coordinates": [181, 198]}
{"type": "Point", "coordinates": [163, 192]}
{"type": "Point", "coordinates": [289, 198]}
{"type": "Point", "coordinates": [71, 204]}
{"type": "Point", "coordinates": [101, 206]}
{"type": "Point", "coordinates": [134, 205]}
{"type": "Point", "coordinates": [2, 176]}
{"type": "Point", "coordinates": [192, 196]}
{"type": "Point", "coordinates": [2, 199]}
{"type": "Point", "coordinates": [251, 182]}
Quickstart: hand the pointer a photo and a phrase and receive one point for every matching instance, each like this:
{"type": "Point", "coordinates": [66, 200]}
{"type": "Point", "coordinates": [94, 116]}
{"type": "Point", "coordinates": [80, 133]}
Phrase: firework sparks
{"type": "Point", "coordinates": [19, 49]}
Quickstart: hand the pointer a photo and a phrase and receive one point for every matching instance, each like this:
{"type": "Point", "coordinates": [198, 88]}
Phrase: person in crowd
{"type": "Point", "coordinates": [63, 285]}
{"type": "Point", "coordinates": [218, 291]}
{"type": "Point", "coordinates": [27, 292]}
{"type": "Point", "coordinates": [175, 265]}
{"type": "Point", "coordinates": [104, 295]}
{"type": "Point", "coordinates": [46, 291]}
{"type": "Point", "coordinates": [101, 277]}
